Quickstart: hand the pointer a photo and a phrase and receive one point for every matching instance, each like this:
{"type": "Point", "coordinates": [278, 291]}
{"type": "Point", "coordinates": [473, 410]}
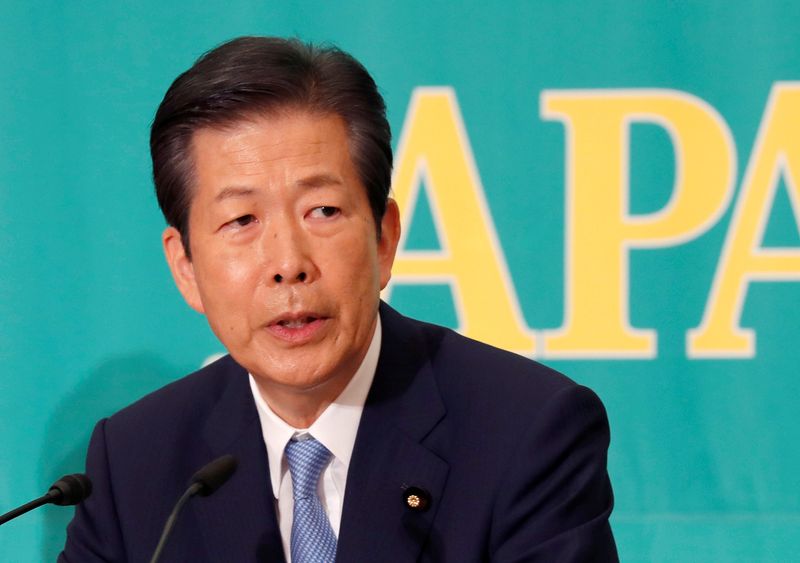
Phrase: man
{"type": "Point", "coordinates": [272, 165]}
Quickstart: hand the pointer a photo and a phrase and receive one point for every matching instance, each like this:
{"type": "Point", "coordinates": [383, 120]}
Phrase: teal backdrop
{"type": "Point", "coordinates": [705, 452]}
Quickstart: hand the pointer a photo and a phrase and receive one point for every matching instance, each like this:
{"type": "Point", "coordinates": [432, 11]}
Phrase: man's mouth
{"type": "Point", "coordinates": [297, 328]}
{"type": "Point", "coordinates": [297, 323]}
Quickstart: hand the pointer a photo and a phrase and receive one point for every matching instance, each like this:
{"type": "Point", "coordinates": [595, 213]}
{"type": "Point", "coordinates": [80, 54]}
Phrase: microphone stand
{"type": "Point", "coordinates": [208, 479]}
{"type": "Point", "coordinates": [19, 511]}
{"type": "Point", "coordinates": [173, 517]}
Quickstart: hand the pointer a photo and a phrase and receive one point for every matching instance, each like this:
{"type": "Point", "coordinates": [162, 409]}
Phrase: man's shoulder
{"type": "Point", "coordinates": [470, 367]}
{"type": "Point", "coordinates": [484, 376]}
{"type": "Point", "coordinates": [464, 357]}
{"type": "Point", "coordinates": [183, 401]}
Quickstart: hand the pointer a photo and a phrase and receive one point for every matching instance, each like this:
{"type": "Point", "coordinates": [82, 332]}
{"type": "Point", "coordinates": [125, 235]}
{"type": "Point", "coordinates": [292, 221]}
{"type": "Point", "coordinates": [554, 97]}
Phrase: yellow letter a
{"type": "Point", "coordinates": [434, 146]}
{"type": "Point", "coordinates": [776, 151]}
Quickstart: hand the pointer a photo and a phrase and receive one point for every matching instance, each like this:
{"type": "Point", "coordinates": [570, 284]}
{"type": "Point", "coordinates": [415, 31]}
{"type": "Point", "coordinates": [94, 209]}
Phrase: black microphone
{"type": "Point", "coordinates": [208, 479]}
{"type": "Point", "coordinates": [69, 490]}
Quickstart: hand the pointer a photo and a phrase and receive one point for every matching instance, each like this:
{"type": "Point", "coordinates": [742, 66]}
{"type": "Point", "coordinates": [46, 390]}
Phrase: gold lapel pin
{"type": "Point", "coordinates": [417, 499]}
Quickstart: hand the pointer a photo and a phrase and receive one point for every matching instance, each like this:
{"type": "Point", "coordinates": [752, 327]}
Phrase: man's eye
{"type": "Point", "coordinates": [324, 211]}
{"type": "Point", "coordinates": [242, 221]}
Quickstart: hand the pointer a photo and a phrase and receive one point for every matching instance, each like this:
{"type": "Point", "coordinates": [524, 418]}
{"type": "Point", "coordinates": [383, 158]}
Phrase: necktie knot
{"type": "Point", "coordinates": [306, 458]}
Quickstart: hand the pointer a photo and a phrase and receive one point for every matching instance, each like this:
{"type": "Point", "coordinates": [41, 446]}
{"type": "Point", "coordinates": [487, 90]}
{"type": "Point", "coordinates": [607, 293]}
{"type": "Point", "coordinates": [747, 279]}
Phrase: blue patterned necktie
{"type": "Point", "coordinates": [313, 540]}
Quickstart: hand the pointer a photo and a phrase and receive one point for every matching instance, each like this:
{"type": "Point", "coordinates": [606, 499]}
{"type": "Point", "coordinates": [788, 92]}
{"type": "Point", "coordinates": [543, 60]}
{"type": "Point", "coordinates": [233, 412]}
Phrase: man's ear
{"type": "Point", "coordinates": [390, 236]}
{"type": "Point", "coordinates": [181, 267]}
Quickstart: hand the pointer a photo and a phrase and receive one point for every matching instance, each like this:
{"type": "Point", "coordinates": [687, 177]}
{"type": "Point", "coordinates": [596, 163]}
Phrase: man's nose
{"type": "Point", "coordinates": [287, 249]}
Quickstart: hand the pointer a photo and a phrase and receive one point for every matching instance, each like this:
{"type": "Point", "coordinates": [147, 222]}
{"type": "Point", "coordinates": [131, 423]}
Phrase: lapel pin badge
{"type": "Point", "coordinates": [417, 499]}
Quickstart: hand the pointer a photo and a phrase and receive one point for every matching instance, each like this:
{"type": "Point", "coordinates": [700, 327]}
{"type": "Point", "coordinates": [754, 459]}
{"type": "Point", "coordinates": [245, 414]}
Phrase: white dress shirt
{"type": "Point", "coordinates": [335, 428]}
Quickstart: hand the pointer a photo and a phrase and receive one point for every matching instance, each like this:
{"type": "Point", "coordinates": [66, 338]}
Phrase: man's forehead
{"type": "Point", "coordinates": [237, 139]}
{"type": "Point", "coordinates": [305, 150]}
{"type": "Point", "coordinates": [262, 117]}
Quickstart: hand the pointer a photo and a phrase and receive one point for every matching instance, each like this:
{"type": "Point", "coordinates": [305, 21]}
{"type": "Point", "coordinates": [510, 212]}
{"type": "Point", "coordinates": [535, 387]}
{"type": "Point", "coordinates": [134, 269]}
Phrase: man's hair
{"type": "Point", "coordinates": [250, 76]}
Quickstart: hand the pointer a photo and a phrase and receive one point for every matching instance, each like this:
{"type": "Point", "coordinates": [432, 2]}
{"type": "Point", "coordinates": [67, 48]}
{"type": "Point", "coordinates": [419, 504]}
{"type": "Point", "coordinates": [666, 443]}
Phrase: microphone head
{"type": "Point", "coordinates": [213, 475]}
{"type": "Point", "coordinates": [70, 489]}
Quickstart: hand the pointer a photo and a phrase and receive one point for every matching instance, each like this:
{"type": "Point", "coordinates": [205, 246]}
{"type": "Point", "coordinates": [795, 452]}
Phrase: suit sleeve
{"type": "Point", "coordinates": [94, 534]}
{"type": "Point", "coordinates": [556, 498]}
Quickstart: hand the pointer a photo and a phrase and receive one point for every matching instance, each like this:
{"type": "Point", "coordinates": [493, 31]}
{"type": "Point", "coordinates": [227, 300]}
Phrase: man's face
{"type": "Point", "coordinates": [286, 263]}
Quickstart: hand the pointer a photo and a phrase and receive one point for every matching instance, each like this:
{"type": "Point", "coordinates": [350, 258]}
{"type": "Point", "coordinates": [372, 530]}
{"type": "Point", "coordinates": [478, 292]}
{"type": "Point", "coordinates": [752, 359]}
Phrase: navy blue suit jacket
{"type": "Point", "coordinates": [512, 454]}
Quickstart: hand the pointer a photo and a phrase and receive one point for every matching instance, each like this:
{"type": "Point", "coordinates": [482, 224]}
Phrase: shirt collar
{"type": "Point", "coordinates": [335, 428]}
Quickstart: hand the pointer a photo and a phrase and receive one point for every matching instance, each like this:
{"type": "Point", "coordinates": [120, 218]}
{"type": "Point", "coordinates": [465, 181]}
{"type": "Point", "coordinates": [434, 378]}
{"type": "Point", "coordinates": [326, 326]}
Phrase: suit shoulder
{"type": "Point", "coordinates": [478, 379]}
{"type": "Point", "coordinates": [180, 400]}
{"type": "Point", "coordinates": [471, 358]}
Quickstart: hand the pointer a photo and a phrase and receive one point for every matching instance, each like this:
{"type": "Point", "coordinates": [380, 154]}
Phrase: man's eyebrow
{"type": "Point", "coordinates": [318, 181]}
{"type": "Point", "coordinates": [232, 192]}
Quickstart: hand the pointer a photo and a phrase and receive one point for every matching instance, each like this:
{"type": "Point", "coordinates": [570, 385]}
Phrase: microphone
{"type": "Point", "coordinates": [208, 479]}
{"type": "Point", "coordinates": [213, 475]}
{"type": "Point", "coordinates": [69, 490]}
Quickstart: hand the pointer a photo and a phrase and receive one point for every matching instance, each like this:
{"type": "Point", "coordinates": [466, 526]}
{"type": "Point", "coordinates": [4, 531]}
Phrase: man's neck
{"type": "Point", "coordinates": [300, 409]}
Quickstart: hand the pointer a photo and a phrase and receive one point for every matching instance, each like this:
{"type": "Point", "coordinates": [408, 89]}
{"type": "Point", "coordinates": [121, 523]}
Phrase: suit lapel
{"type": "Point", "coordinates": [403, 406]}
{"type": "Point", "coordinates": [239, 521]}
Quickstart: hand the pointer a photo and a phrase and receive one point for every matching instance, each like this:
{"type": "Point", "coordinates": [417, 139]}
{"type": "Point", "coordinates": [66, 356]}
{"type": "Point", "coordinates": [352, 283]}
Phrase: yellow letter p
{"type": "Point", "coordinates": [600, 230]}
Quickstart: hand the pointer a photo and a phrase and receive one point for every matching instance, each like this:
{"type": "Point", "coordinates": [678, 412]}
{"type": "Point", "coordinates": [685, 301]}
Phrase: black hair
{"type": "Point", "coordinates": [252, 75]}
